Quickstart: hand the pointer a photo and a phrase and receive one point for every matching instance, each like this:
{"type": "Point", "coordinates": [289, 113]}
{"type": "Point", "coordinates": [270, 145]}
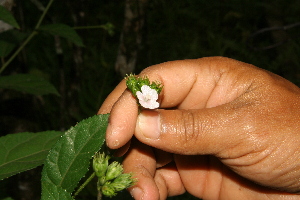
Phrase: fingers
{"type": "Point", "coordinates": [123, 111]}
{"type": "Point", "coordinates": [194, 132]}
{"type": "Point", "coordinates": [223, 107]}
{"type": "Point", "coordinates": [188, 84]}
{"type": "Point", "coordinates": [168, 181]}
{"type": "Point", "coordinates": [141, 162]}
{"type": "Point", "coordinates": [201, 83]}
{"type": "Point", "coordinates": [122, 121]}
{"type": "Point", "coordinates": [207, 178]}
{"type": "Point", "coordinates": [247, 134]}
{"type": "Point", "coordinates": [152, 183]}
{"type": "Point", "coordinates": [202, 176]}
{"type": "Point", "coordinates": [122, 117]}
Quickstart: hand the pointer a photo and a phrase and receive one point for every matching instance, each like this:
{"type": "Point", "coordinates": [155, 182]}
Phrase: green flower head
{"type": "Point", "coordinates": [111, 178]}
{"type": "Point", "coordinates": [123, 181]}
{"type": "Point", "coordinates": [146, 92]}
{"type": "Point", "coordinates": [100, 164]}
{"type": "Point", "coordinates": [114, 170]}
{"type": "Point", "coordinates": [108, 190]}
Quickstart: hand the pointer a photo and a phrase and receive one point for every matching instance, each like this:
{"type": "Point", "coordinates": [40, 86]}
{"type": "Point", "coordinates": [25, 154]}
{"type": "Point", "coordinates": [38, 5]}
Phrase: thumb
{"type": "Point", "coordinates": [192, 132]}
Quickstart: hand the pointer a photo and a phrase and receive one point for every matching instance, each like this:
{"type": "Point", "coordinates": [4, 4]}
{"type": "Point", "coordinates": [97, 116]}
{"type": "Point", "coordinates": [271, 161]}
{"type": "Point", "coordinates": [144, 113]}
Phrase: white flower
{"type": "Point", "coordinates": [148, 97]}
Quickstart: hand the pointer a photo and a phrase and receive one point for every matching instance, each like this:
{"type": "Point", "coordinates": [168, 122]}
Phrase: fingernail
{"type": "Point", "coordinates": [136, 193]}
{"type": "Point", "coordinates": [149, 124]}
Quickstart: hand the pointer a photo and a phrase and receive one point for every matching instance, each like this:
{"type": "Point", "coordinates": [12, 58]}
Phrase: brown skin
{"type": "Point", "coordinates": [228, 130]}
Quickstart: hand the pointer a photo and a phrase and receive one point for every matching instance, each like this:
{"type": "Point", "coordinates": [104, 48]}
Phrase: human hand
{"type": "Point", "coordinates": [229, 131]}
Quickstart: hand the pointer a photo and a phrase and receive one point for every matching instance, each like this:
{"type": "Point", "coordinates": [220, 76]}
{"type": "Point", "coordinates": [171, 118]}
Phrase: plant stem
{"type": "Point", "coordinates": [84, 184]}
{"type": "Point", "coordinates": [44, 14]}
{"type": "Point", "coordinates": [99, 197]}
{"type": "Point", "coordinates": [28, 39]}
{"type": "Point", "coordinates": [17, 51]}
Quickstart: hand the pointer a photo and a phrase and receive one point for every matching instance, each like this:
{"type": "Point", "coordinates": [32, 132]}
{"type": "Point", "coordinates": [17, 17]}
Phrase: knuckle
{"type": "Point", "coordinates": [190, 130]}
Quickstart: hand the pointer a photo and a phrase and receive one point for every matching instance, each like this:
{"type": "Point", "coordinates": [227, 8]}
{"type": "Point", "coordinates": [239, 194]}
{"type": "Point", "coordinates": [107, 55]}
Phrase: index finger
{"type": "Point", "coordinates": [124, 105]}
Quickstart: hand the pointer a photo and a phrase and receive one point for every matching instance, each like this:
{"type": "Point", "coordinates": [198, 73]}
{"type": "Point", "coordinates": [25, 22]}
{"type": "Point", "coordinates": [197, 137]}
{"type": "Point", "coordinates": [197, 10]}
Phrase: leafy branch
{"type": "Point", "coordinates": [54, 29]}
{"type": "Point", "coordinates": [4, 66]}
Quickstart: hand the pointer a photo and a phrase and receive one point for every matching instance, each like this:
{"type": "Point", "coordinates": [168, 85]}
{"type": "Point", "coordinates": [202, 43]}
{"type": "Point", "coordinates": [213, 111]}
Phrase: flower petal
{"type": "Point", "coordinates": [147, 98]}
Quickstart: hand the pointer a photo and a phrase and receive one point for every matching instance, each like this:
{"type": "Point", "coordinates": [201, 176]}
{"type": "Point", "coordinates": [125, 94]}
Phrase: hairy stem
{"type": "Point", "coordinates": [84, 184]}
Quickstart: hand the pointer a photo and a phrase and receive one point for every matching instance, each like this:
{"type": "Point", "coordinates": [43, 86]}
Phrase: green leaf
{"type": "Point", "coordinates": [9, 40]}
{"type": "Point", "coordinates": [7, 17]}
{"type": "Point", "coordinates": [24, 151]}
{"type": "Point", "coordinates": [63, 30]}
{"type": "Point", "coordinates": [53, 193]}
{"type": "Point", "coordinates": [68, 160]}
{"type": "Point", "coordinates": [27, 83]}
{"type": "Point", "coordinates": [8, 198]}
{"type": "Point", "coordinates": [6, 48]}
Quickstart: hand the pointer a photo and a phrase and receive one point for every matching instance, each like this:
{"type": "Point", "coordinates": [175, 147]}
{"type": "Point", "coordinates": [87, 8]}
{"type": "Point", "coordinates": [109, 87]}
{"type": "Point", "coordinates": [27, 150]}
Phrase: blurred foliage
{"type": "Point", "coordinates": [173, 30]}
{"type": "Point", "coordinates": [193, 29]}
{"type": "Point", "coordinates": [82, 75]}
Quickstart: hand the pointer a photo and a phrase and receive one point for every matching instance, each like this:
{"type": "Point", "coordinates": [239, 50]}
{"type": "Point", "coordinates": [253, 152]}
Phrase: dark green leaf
{"type": "Point", "coordinates": [7, 17]}
{"type": "Point", "coordinates": [8, 198]}
{"type": "Point", "coordinates": [9, 40]}
{"type": "Point", "coordinates": [63, 31]}
{"type": "Point", "coordinates": [68, 160]}
{"type": "Point", "coordinates": [24, 151]}
{"type": "Point", "coordinates": [5, 48]}
{"type": "Point", "coordinates": [27, 83]}
{"type": "Point", "coordinates": [53, 193]}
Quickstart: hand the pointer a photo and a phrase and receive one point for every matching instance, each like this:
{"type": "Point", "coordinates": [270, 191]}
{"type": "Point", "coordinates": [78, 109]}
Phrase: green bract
{"type": "Point", "coordinates": [108, 190]}
{"type": "Point", "coordinates": [100, 164]}
{"type": "Point", "coordinates": [114, 170]}
{"type": "Point", "coordinates": [123, 181]}
{"type": "Point", "coordinates": [135, 83]}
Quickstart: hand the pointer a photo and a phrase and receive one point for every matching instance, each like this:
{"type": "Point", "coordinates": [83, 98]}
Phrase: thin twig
{"type": "Point", "coordinates": [44, 14]}
{"type": "Point", "coordinates": [17, 51]}
{"type": "Point", "coordinates": [28, 39]}
{"type": "Point", "coordinates": [270, 29]}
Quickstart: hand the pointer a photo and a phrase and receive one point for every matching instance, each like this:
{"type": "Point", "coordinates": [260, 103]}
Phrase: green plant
{"type": "Point", "coordinates": [65, 155]}
{"type": "Point", "coordinates": [28, 82]}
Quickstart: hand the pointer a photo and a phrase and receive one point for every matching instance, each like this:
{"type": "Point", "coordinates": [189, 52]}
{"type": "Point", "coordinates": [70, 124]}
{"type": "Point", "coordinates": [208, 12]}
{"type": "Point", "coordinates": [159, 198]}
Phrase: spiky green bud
{"type": "Point", "coordinates": [100, 164]}
{"type": "Point", "coordinates": [108, 190]}
{"type": "Point", "coordinates": [135, 84]}
{"type": "Point", "coordinates": [114, 170]}
{"type": "Point", "coordinates": [123, 181]}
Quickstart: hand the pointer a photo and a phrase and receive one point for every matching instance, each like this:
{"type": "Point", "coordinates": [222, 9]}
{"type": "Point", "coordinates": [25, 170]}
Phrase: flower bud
{"type": "Point", "coordinates": [108, 190]}
{"type": "Point", "coordinates": [114, 170]}
{"type": "Point", "coordinates": [123, 181]}
{"type": "Point", "coordinates": [100, 164]}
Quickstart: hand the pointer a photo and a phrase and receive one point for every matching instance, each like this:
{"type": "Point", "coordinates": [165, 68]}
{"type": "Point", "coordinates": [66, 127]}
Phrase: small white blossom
{"type": "Point", "coordinates": [148, 97]}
